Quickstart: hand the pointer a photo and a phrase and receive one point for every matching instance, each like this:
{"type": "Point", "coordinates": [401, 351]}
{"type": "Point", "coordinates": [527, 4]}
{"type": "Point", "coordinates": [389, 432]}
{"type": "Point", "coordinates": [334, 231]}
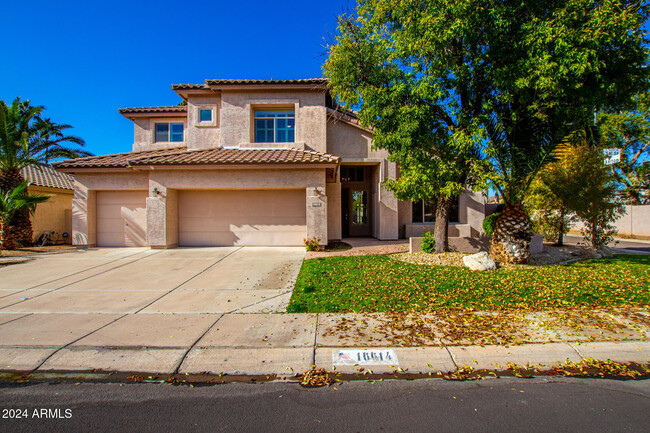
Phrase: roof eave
{"type": "Point", "coordinates": [131, 115]}
{"type": "Point", "coordinates": [268, 86]}
{"type": "Point", "coordinates": [225, 166]}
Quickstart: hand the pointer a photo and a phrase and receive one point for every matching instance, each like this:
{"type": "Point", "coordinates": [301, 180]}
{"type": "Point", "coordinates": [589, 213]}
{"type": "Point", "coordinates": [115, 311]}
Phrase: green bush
{"type": "Point", "coordinates": [428, 243]}
{"type": "Point", "coordinates": [489, 223]}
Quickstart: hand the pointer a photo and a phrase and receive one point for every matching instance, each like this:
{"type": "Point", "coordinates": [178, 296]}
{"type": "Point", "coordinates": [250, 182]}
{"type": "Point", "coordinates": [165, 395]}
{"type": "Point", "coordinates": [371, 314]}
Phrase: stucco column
{"type": "Point", "coordinates": [317, 213]}
{"type": "Point", "coordinates": [388, 204]}
{"type": "Point", "coordinates": [334, 211]}
{"type": "Point", "coordinates": [471, 211]}
{"type": "Point", "coordinates": [162, 216]}
{"type": "Point", "coordinates": [84, 216]}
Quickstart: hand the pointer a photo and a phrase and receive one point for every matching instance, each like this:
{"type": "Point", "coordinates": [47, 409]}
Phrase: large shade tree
{"type": "Point", "coordinates": [414, 71]}
{"type": "Point", "coordinates": [27, 138]}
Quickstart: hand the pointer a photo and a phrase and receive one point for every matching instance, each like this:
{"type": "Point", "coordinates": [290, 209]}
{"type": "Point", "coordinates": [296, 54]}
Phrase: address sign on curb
{"type": "Point", "coordinates": [364, 357]}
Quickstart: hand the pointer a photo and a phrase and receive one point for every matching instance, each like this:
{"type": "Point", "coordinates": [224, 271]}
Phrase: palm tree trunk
{"type": "Point", "coordinates": [441, 229]}
{"type": "Point", "coordinates": [511, 237]}
{"type": "Point", "coordinates": [5, 242]}
{"type": "Point", "coordinates": [19, 230]}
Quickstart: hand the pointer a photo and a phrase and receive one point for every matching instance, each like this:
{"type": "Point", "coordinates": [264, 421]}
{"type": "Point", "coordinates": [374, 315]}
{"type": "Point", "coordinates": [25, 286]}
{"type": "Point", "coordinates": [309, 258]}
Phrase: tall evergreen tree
{"type": "Point", "coordinates": [27, 138]}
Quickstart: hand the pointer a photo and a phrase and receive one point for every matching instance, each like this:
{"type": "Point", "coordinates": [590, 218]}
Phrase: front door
{"type": "Point", "coordinates": [355, 201]}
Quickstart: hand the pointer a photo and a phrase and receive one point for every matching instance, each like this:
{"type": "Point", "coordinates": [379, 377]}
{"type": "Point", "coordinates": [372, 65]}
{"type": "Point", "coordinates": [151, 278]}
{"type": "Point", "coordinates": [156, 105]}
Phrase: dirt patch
{"type": "Point", "coordinates": [464, 328]}
{"type": "Point", "coordinates": [26, 251]}
{"type": "Point", "coordinates": [364, 250]}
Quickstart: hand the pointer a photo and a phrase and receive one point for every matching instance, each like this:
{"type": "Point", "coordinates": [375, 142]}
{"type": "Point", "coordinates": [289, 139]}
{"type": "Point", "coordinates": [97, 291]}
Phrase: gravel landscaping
{"type": "Point", "coordinates": [550, 256]}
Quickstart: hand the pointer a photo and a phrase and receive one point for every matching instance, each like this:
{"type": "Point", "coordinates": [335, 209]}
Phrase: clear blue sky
{"type": "Point", "coordinates": [85, 59]}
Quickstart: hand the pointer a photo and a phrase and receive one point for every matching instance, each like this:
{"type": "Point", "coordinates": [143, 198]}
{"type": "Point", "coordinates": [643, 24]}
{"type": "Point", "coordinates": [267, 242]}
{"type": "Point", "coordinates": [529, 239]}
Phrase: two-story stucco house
{"type": "Point", "coordinates": [245, 162]}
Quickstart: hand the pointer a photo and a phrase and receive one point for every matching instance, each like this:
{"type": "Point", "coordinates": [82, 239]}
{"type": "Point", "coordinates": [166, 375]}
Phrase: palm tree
{"type": "Point", "coordinates": [26, 138]}
{"type": "Point", "coordinates": [520, 145]}
{"type": "Point", "coordinates": [522, 141]}
{"type": "Point", "coordinates": [11, 203]}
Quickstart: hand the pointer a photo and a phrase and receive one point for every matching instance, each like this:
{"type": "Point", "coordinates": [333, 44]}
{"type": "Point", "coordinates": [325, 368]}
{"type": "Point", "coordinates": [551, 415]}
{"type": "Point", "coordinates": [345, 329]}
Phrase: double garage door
{"type": "Point", "coordinates": [207, 218]}
{"type": "Point", "coordinates": [241, 217]}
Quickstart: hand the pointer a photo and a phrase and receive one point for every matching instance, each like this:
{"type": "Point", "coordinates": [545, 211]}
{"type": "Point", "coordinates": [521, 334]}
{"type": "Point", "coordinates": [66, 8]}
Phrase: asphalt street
{"type": "Point", "coordinates": [630, 245]}
{"type": "Point", "coordinates": [493, 405]}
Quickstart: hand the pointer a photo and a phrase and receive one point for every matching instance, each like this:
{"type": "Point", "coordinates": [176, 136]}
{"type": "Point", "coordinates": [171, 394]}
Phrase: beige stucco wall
{"type": "Point", "coordinates": [405, 216]}
{"type": "Point", "coordinates": [348, 141]}
{"type": "Point", "coordinates": [237, 108]}
{"type": "Point", "coordinates": [471, 211]}
{"type": "Point", "coordinates": [203, 135]}
{"type": "Point", "coordinates": [55, 214]}
{"type": "Point", "coordinates": [634, 223]}
{"type": "Point", "coordinates": [144, 133]}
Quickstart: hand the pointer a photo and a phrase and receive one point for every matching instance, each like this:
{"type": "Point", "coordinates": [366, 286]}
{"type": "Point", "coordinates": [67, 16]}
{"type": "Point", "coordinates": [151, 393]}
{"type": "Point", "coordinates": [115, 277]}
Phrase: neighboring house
{"type": "Point", "coordinates": [55, 214]}
{"type": "Point", "coordinates": [245, 162]}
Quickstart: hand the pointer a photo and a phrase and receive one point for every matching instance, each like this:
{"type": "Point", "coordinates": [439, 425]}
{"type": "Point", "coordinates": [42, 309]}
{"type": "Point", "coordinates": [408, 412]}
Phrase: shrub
{"type": "Point", "coordinates": [599, 230]}
{"type": "Point", "coordinates": [489, 223]}
{"type": "Point", "coordinates": [428, 243]}
{"type": "Point", "coordinates": [312, 244]}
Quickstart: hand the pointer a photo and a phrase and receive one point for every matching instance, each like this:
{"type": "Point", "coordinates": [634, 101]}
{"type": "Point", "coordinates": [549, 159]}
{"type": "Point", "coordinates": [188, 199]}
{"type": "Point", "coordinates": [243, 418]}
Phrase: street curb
{"type": "Point", "coordinates": [412, 363]}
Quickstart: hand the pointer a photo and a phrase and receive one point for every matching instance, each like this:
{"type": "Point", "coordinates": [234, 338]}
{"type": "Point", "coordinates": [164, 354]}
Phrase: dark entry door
{"type": "Point", "coordinates": [355, 207]}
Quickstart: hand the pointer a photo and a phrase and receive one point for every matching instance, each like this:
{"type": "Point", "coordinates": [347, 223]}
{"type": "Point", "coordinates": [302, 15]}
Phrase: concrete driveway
{"type": "Point", "coordinates": [150, 310]}
{"type": "Point", "coordinates": [128, 280]}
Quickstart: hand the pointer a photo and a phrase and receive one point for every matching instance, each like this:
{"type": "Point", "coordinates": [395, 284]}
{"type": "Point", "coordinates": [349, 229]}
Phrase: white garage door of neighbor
{"type": "Point", "coordinates": [121, 218]}
{"type": "Point", "coordinates": [241, 217]}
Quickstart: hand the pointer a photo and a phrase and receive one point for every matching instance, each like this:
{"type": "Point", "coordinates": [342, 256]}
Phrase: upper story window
{"type": "Point", "coordinates": [205, 115]}
{"type": "Point", "coordinates": [169, 132]}
{"type": "Point", "coordinates": [275, 126]}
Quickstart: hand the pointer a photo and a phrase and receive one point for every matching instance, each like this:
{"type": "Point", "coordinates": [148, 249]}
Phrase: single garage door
{"type": "Point", "coordinates": [241, 217]}
{"type": "Point", "coordinates": [121, 218]}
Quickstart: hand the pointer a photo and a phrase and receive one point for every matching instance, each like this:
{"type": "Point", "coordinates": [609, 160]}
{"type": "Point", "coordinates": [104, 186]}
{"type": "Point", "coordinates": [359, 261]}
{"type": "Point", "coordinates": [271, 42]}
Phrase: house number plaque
{"type": "Point", "coordinates": [364, 357]}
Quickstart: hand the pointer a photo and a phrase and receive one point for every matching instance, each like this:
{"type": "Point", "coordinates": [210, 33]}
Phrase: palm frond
{"type": "Point", "coordinates": [27, 138]}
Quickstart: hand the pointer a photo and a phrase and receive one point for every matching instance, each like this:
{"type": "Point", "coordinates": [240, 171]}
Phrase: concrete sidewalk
{"type": "Point", "coordinates": [288, 344]}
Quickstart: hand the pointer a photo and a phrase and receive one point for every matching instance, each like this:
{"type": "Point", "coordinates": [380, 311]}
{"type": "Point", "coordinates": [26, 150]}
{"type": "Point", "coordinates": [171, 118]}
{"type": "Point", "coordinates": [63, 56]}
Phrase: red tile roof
{"type": "Point", "coordinates": [168, 109]}
{"type": "Point", "coordinates": [116, 160]}
{"type": "Point", "coordinates": [317, 81]}
{"type": "Point", "coordinates": [46, 176]}
{"type": "Point", "coordinates": [189, 86]}
{"type": "Point", "coordinates": [299, 81]}
{"type": "Point", "coordinates": [216, 156]}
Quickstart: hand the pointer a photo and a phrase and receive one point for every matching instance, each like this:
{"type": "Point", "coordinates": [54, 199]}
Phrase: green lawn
{"type": "Point", "coordinates": [381, 284]}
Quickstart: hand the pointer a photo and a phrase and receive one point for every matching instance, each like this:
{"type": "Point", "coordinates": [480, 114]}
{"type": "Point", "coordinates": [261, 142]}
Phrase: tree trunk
{"type": "Point", "coordinates": [560, 237]}
{"type": "Point", "coordinates": [19, 230]}
{"type": "Point", "coordinates": [634, 197]}
{"type": "Point", "coordinates": [511, 237]}
{"type": "Point", "coordinates": [5, 242]}
{"type": "Point", "coordinates": [441, 229]}
{"type": "Point", "coordinates": [594, 233]}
